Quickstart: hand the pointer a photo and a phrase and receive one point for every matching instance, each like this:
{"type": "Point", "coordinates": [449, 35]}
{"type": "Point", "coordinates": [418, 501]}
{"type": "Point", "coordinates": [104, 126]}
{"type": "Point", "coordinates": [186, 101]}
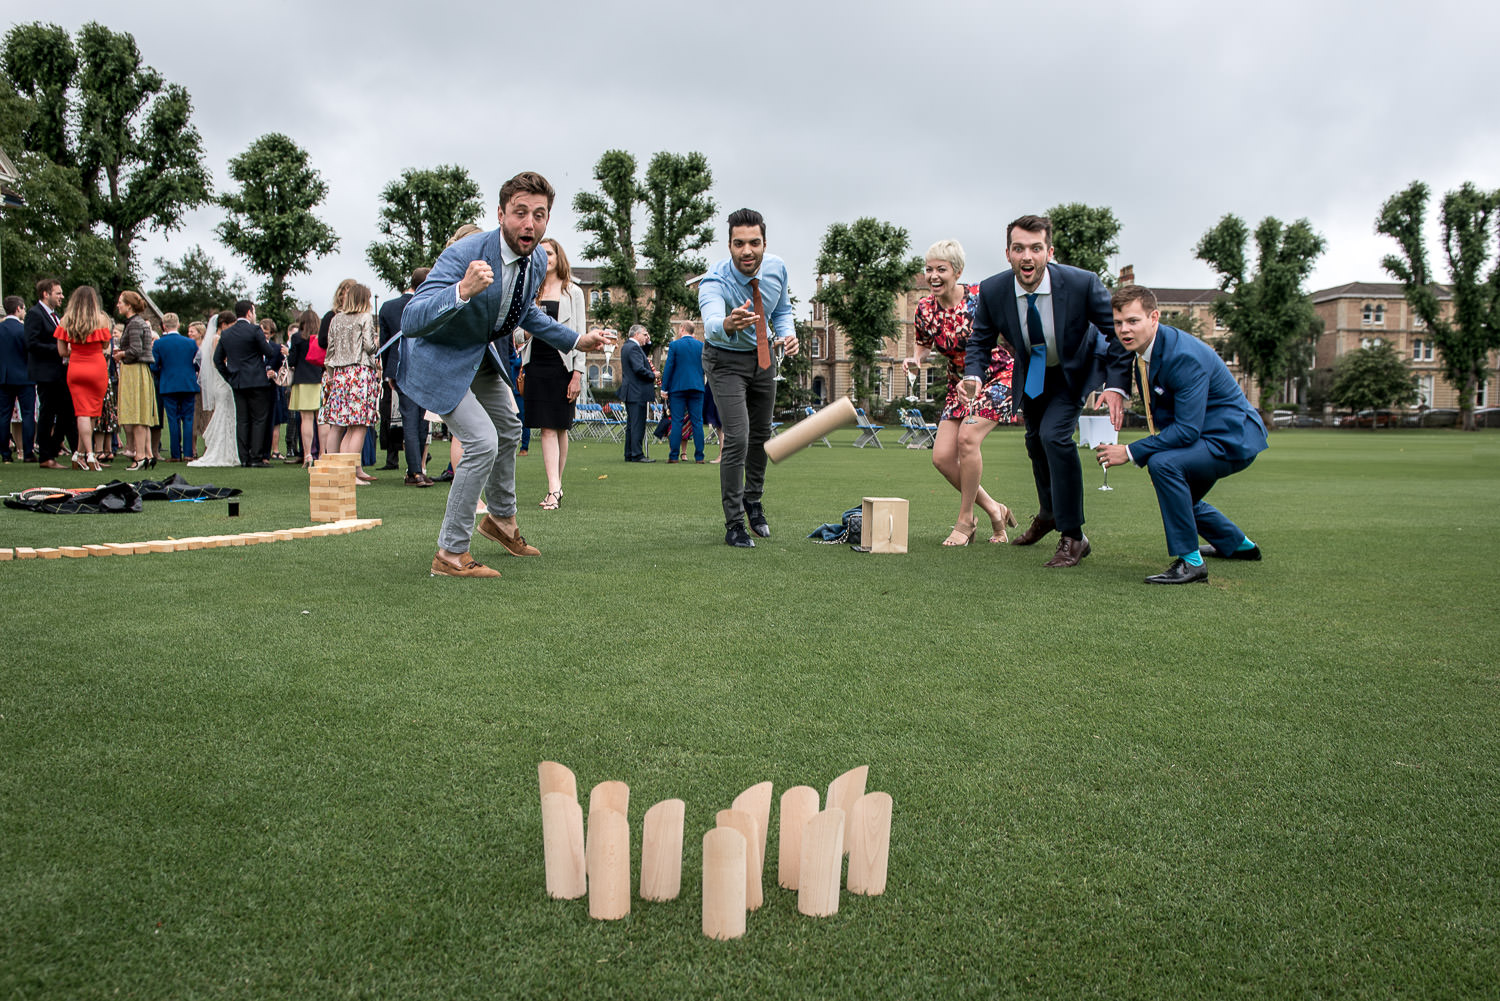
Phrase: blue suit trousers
{"type": "Point", "coordinates": [1182, 477]}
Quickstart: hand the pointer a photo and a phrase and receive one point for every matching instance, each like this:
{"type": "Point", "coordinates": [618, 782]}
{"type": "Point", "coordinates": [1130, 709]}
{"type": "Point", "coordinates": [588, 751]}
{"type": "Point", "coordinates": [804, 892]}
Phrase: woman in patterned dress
{"type": "Point", "coordinates": [351, 376]}
{"type": "Point", "coordinates": [944, 321]}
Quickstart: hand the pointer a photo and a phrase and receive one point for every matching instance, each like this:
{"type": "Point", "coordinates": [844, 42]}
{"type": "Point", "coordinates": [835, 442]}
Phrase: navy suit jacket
{"type": "Point", "coordinates": [637, 382]}
{"type": "Point", "coordinates": [390, 328]}
{"type": "Point", "coordinates": [1080, 302]}
{"type": "Point", "coordinates": [443, 340]}
{"type": "Point", "coordinates": [244, 354]}
{"type": "Point", "coordinates": [13, 354]}
{"type": "Point", "coordinates": [1193, 397]}
{"type": "Point", "coordinates": [175, 354]}
{"type": "Point", "coordinates": [43, 361]}
{"type": "Point", "coordinates": [682, 372]}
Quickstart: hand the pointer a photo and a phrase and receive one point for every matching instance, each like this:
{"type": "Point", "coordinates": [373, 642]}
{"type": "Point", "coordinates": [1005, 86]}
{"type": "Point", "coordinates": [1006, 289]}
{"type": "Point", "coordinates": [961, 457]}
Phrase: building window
{"type": "Point", "coordinates": [815, 346]}
{"type": "Point", "coordinates": [594, 376]}
{"type": "Point", "coordinates": [1417, 323]}
{"type": "Point", "coordinates": [594, 297]}
{"type": "Point", "coordinates": [1368, 316]}
{"type": "Point", "coordinates": [1371, 342]}
{"type": "Point", "coordinates": [1482, 395]}
{"type": "Point", "coordinates": [1421, 350]}
{"type": "Point", "coordinates": [1379, 316]}
{"type": "Point", "coordinates": [1219, 322]}
{"type": "Point", "coordinates": [606, 297]}
{"type": "Point", "coordinates": [1426, 385]}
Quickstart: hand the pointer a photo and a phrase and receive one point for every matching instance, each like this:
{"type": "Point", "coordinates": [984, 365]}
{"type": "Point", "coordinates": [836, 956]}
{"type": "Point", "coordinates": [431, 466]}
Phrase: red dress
{"type": "Point", "coordinates": [88, 371]}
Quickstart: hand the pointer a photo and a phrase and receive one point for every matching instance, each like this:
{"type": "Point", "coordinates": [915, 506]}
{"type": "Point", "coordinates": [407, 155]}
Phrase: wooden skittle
{"type": "Point", "coordinates": [562, 844]}
{"type": "Point", "coordinates": [741, 821]}
{"type": "Point", "coordinates": [799, 804]}
{"type": "Point", "coordinates": [724, 850]}
{"type": "Point", "coordinates": [552, 777]}
{"type": "Point", "coordinates": [845, 790]}
{"type": "Point", "coordinates": [608, 854]}
{"type": "Point", "coordinates": [610, 795]}
{"type": "Point", "coordinates": [869, 839]}
{"type": "Point", "coordinates": [822, 864]}
{"type": "Point", "coordinates": [661, 850]}
{"type": "Point", "coordinates": [756, 801]}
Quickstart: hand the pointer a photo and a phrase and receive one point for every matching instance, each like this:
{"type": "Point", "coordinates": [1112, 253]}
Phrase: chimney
{"type": "Point", "coordinates": [1127, 275]}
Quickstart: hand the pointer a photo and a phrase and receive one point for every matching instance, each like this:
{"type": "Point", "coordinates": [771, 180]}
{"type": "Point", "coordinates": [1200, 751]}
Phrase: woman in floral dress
{"type": "Point", "coordinates": [351, 378]}
{"type": "Point", "coordinates": [944, 321]}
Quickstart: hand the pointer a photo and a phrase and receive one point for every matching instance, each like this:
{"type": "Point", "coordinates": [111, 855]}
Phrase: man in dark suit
{"type": "Point", "coordinates": [390, 325]}
{"type": "Point", "coordinates": [682, 383]}
{"type": "Point", "coordinates": [176, 357]}
{"type": "Point", "coordinates": [247, 362]}
{"type": "Point", "coordinates": [413, 421]}
{"type": "Point", "coordinates": [15, 383]}
{"type": "Point", "coordinates": [44, 366]}
{"type": "Point", "coordinates": [1202, 430]}
{"type": "Point", "coordinates": [1047, 313]}
{"type": "Point", "coordinates": [637, 389]}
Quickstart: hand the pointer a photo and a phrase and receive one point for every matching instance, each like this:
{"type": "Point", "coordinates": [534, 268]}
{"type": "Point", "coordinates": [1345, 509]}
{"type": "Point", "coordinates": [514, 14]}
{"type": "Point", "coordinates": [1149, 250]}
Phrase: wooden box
{"type": "Point", "coordinates": [883, 525]}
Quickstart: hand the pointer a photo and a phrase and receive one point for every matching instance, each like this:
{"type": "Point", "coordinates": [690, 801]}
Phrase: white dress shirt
{"type": "Point", "coordinates": [1043, 294]}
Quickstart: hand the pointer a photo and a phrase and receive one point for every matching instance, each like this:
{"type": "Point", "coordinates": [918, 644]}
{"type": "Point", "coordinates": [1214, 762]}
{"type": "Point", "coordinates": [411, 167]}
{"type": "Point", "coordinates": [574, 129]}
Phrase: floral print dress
{"type": "Point", "coordinates": [947, 332]}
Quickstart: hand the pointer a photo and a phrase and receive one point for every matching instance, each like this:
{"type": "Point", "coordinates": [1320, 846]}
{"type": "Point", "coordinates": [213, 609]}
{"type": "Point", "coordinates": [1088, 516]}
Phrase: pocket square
{"type": "Point", "coordinates": [1158, 390]}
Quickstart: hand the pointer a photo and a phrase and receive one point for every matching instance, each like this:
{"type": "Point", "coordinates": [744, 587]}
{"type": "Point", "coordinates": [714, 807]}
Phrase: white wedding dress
{"type": "Point", "coordinates": [219, 444]}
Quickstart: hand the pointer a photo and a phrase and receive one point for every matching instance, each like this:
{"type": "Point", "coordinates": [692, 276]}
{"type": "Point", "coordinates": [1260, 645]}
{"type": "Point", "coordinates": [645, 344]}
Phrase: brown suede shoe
{"type": "Point", "coordinates": [1069, 552]}
{"type": "Point", "coordinates": [1035, 532]}
{"type": "Point", "coordinates": [469, 568]}
{"type": "Point", "coordinates": [514, 544]}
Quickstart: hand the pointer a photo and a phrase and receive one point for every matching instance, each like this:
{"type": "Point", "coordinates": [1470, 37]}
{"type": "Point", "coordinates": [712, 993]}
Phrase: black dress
{"type": "Point", "coordinates": [547, 378]}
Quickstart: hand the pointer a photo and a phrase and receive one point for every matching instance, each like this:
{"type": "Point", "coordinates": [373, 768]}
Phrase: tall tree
{"type": "Point", "coordinates": [1372, 378]}
{"type": "Point", "coordinates": [271, 223]}
{"type": "Point", "coordinates": [608, 218]}
{"type": "Point", "coordinates": [1271, 321]}
{"type": "Point", "coordinates": [422, 209]}
{"type": "Point", "coordinates": [1464, 340]}
{"type": "Point", "coordinates": [195, 286]}
{"type": "Point", "coordinates": [864, 266]}
{"type": "Point", "coordinates": [1085, 237]}
{"type": "Point", "coordinates": [677, 211]}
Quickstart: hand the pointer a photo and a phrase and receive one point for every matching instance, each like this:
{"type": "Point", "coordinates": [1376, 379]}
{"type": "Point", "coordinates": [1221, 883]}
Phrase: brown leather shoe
{"type": "Point", "coordinates": [514, 544]}
{"type": "Point", "coordinates": [468, 568]}
{"type": "Point", "coordinates": [1038, 529]}
{"type": "Point", "coordinates": [1069, 552]}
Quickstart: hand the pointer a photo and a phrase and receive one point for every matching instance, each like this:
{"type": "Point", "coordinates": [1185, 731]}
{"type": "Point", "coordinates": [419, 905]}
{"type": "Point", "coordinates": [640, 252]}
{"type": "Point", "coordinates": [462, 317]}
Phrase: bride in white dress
{"type": "Point", "coordinates": [219, 445]}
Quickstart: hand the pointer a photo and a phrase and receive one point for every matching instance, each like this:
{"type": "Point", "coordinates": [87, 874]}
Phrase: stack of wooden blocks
{"type": "Point", "coordinates": [330, 486]}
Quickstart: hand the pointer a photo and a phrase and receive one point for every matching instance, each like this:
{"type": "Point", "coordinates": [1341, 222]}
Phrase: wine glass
{"type": "Point", "coordinates": [973, 417]}
{"type": "Point", "coordinates": [911, 383]}
{"type": "Point", "coordinates": [1106, 485]}
{"type": "Point", "coordinates": [779, 353]}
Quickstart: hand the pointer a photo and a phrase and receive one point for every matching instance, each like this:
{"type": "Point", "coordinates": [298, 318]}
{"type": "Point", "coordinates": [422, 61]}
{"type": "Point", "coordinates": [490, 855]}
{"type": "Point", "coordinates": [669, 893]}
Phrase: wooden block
{"type": "Point", "coordinates": [756, 801]}
{"type": "Point", "coordinates": [741, 821]}
{"type": "Point", "coordinates": [609, 796]}
{"type": "Point", "coordinates": [799, 804]}
{"type": "Point", "coordinates": [724, 850]}
{"type": "Point", "coordinates": [661, 850]}
{"type": "Point", "coordinates": [99, 550]}
{"type": "Point", "coordinates": [49, 553]}
{"type": "Point", "coordinates": [74, 552]}
{"type": "Point", "coordinates": [869, 837]}
{"type": "Point", "coordinates": [822, 864]}
{"type": "Point", "coordinates": [552, 777]}
{"type": "Point", "coordinates": [118, 548]}
{"type": "Point", "coordinates": [883, 529]}
{"type": "Point", "coordinates": [608, 857]}
{"type": "Point", "coordinates": [159, 546]}
{"type": "Point", "coordinates": [846, 789]}
{"type": "Point", "coordinates": [562, 846]}
{"type": "Point", "coordinates": [282, 535]}
{"type": "Point", "coordinates": [25, 553]}
{"type": "Point", "coordinates": [7, 554]}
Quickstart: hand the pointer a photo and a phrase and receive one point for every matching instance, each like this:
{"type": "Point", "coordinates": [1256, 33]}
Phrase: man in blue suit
{"type": "Point", "coordinates": [1202, 430]}
{"type": "Point", "coordinates": [176, 357]}
{"type": "Point", "coordinates": [15, 384]}
{"type": "Point", "coordinates": [1048, 314]}
{"type": "Point", "coordinates": [682, 382]}
{"type": "Point", "coordinates": [637, 390]}
{"type": "Point", "coordinates": [479, 290]}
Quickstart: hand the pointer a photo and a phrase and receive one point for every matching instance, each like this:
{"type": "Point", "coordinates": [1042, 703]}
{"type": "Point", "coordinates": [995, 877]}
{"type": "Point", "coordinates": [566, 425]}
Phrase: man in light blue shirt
{"type": "Point", "coordinates": [745, 304]}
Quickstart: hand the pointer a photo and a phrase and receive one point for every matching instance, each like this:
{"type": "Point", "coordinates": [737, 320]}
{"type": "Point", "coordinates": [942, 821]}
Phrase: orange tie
{"type": "Point", "coordinates": [1140, 367]}
{"type": "Point", "coordinates": [762, 340]}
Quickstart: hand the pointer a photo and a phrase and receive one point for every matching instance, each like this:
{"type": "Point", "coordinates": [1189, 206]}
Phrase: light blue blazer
{"type": "Point", "coordinates": [444, 341]}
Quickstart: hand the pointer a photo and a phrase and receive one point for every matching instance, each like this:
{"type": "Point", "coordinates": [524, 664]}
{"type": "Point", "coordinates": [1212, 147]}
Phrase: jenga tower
{"type": "Point", "coordinates": [331, 487]}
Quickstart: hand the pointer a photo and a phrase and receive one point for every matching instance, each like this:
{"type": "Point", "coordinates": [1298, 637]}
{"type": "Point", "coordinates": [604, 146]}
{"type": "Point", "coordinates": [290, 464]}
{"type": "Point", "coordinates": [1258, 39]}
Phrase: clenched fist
{"type": "Point", "coordinates": [479, 277]}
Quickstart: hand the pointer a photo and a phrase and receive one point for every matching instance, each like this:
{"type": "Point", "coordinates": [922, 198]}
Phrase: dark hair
{"type": "Point", "coordinates": [1126, 294]}
{"type": "Point", "coordinates": [44, 285]}
{"type": "Point", "coordinates": [1032, 224]}
{"type": "Point", "coordinates": [747, 217]}
{"type": "Point", "coordinates": [242, 308]}
{"type": "Point", "coordinates": [225, 319]}
{"type": "Point", "coordinates": [134, 302]}
{"type": "Point", "coordinates": [418, 276]}
{"type": "Point", "coordinates": [527, 182]}
{"type": "Point", "coordinates": [308, 323]}
{"type": "Point", "coordinates": [13, 303]}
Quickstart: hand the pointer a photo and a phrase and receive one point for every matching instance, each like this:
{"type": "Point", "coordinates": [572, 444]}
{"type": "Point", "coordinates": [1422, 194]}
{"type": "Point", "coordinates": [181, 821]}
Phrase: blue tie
{"type": "Point", "coordinates": [1036, 368]}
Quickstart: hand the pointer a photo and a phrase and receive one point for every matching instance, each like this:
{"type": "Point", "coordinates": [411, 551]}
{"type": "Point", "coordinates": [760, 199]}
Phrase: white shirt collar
{"type": "Point", "coordinates": [1151, 348]}
{"type": "Point", "coordinates": [1045, 288]}
{"type": "Point", "coordinates": [507, 256]}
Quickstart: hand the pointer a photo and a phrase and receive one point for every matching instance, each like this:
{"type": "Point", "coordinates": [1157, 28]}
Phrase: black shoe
{"type": "Point", "coordinates": [735, 535]}
{"type": "Point", "coordinates": [1180, 572]}
{"type": "Point", "coordinates": [1253, 553]}
{"type": "Point", "coordinates": [390, 465]}
{"type": "Point", "coordinates": [446, 476]}
{"type": "Point", "coordinates": [757, 518]}
{"type": "Point", "coordinates": [262, 464]}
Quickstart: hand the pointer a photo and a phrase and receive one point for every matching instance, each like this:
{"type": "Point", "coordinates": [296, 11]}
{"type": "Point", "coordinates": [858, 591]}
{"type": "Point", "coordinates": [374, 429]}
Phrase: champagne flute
{"type": "Point", "coordinates": [973, 400]}
{"type": "Point", "coordinates": [911, 383]}
{"type": "Point", "coordinates": [1105, 467]}
{"type": "Point", "coordinates": [778, 354]}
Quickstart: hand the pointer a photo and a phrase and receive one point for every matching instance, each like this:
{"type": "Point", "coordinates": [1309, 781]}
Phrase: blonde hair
{"type": "Point", "coordinates": [83, 315]}
{"type": "Point", "coordinates": [948, 251]}
{"type": "Point", "coordinates": [356, 299]}
{"type": "Point", "coordinates": [467, 229]}
{"type": "Point", "coordinates": [564, 269]}
{"type": "Point", "coordinates": [170, 321]}
{"type": "Point", "coordinates": [340, 292]}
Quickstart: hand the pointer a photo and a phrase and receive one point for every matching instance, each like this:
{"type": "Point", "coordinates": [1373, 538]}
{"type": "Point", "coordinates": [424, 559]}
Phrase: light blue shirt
{"type": "Point", "coordinates": [725, 289]}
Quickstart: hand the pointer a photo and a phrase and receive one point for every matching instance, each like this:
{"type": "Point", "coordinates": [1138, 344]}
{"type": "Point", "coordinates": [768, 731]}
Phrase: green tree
{"type": "Point", "coordinates": [271, 223]}
{"type": "Point", "coordinates": [1085, 237]}
{"type": "Point", "coordinates": [195, 286]}
{"type": "Point", "coordinates": [1464, 340]}
{"type": "Point", "coordinates": [422, 209]}
{"type": "Point", "coordinates": [1272, 325]}
{"type": "Point", "coordinates": [1372, 378]}
{"type": "Point", "coordinates": [864, 266]}
{"type": "Point", "coordinates": [608, 218]}
{"type": "Point", "coordinates": [677, 211]}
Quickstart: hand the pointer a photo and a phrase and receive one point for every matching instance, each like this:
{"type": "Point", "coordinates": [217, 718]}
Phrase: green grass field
{"type": "Point", "coordinates": [308, 769]}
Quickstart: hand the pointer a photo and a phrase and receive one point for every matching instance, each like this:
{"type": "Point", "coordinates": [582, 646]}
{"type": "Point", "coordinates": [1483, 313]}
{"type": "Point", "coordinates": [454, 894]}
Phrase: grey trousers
{"type": "Point", "coordinates": [746, 398]}
{"type": "Point", "coordinates": [485, 422]}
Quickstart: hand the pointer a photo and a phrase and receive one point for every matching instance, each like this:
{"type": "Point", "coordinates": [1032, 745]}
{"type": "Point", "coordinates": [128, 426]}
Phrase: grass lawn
{"type": "Point", "coordinates": [309, 770]}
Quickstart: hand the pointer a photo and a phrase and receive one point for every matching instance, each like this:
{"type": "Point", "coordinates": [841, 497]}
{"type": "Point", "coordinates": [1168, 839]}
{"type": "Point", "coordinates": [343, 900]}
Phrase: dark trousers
{"type": "Point", "coordinates": [179, 408]}
{"type": "Point", "coordinates": [687, 411]}
{"type": "Point", "coordinates": [55, 420]}
{"type": "Point", "coordinates": [635, 430]}
{"type": "Point", "coordinates": [390, 442]}
{"type": "Point", "coordinates": [25, 393]}
{"type": "Point", "coordinates": [1051, 419]}
{"type": "Point", "coordinates": [253, 422]}
{"type": "Point", "coordinates": [746, 397]}
{"type": "Point", "coordinates": [414, 428]}
{"type": "Point", "coordinates": [1182, 476]}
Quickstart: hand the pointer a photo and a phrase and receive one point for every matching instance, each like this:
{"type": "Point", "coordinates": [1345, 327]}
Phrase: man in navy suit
{"type": "Point", "coordinates": [15, 384]}
{"type": "Point", "coordinates": [682, 382]}
{"type": "Point", "coordinates": [637, 390]}
{"type": "Point", "coordinates": [45, 368]}
{"type": "Point", "coordinates": [1202, 430]}
{"type": "Point", "coordinates": [413, 423]}
{"type": "Point", "coordinates": [1048, 313]}
{"type": "Point", "coordinates": [176, 357]}
{"type": "Point", "coordinates": [449, 364]}
{"type": "Point", "coordinates": [247, 361]}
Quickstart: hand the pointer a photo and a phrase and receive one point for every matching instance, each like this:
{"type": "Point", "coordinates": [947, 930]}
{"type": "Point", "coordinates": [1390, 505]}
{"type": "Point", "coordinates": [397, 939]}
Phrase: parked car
{"type": "Point", "coordinates": [1432, 419]}
{"type": "Point", "coordinates": [1373, 418]}
{"type": "Point", "coordinates": [1282, 418]}
{"type": "Point", "coordinates": [1306, 421]}
{"type": "Point", "coordinates": [1487, 417]}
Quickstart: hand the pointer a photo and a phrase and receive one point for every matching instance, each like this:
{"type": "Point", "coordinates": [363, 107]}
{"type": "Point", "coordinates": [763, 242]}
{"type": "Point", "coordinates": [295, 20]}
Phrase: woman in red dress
{"type": "Point", "coordinates": [82, 333]}
{"type": "Point", "coordinates": [944, 321]}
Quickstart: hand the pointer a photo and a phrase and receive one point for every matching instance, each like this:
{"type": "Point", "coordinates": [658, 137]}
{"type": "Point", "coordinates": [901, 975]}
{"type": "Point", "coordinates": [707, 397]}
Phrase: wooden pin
{"type": "Point", "coordinates": [741, 821]}
{"type": "Point", "coordinates": [724, 851]}
{"type": "Point", "coordinates": [562, 846]}
{"type": "Point", "coordinates": [661, 850]}
{"type": "Point", "coordinates": [799, 804]}
{"type": "Point", "coordinates": [608, 855]}
{"type": "Point", "coordinates": [609, 795]}
{"type": "Point", "coordinates": [822, 864]}
{"type": "Point", "coordinates": [553, 777]}
{"type": "Point", "coordinates": [756, 801]}
{"type": "Point", "coordinates": [869, 839]}
{"type": "Point", "coordinates": [844, 790]}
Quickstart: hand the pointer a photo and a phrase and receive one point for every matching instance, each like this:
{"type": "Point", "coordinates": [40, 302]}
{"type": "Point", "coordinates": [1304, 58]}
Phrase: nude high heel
{"type": "Point", "coordinates": [962, 534]}
{"type": "Point", "coordinates": [1007, 520]}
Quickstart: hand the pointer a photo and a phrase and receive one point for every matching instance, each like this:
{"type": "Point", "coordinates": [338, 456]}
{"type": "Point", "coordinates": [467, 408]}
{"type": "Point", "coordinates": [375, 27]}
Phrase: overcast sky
{"type": "Point", "coordinates": [946, 118]}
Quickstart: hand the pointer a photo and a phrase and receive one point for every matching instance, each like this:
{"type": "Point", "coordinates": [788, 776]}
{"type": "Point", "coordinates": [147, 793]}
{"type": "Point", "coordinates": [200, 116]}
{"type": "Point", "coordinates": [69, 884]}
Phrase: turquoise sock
{"type": "Point", "coordinates": [1245, 544]}
{"type": "Point", "coordinates": [1192, 559]}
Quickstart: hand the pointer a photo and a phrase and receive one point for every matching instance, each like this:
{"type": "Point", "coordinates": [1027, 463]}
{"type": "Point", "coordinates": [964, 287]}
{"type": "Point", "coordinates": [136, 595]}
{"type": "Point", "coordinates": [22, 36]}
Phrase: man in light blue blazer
{"type": "Point", "coordinates": [1202, 430]}
{"type": "Point", "coordinates": [682, 382]}
{"type": "Point", "coordinates": [477, 293]}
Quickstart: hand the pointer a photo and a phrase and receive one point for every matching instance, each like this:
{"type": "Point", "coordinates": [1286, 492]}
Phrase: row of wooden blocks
{"type": "Point", "coordinates": [811, 849]}
{"type": "Point", "coordinates": [330, 486]}
{"type": "Point", "coordinates": [196, 542]}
